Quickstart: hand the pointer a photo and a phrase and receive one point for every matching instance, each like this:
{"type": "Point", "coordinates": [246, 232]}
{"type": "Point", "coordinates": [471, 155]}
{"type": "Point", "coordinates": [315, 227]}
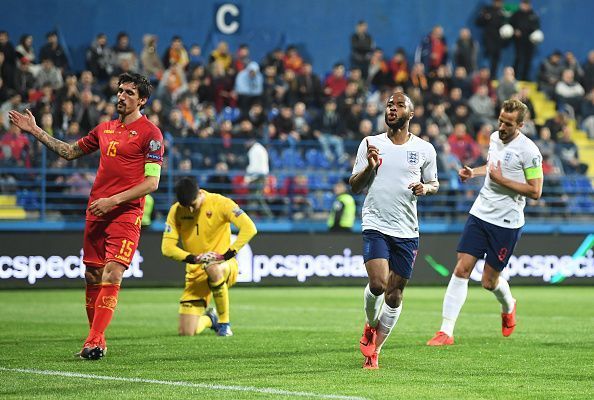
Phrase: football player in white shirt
{"type": "Point", "coordinates": [397, 167]}
{"type": "Point", "coordinates": [496, 218]}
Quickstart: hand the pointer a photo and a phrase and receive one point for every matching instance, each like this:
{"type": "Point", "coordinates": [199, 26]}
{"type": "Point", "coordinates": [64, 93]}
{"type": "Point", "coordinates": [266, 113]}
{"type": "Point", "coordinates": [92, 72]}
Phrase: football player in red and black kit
{"type": "Point", "coordinates": [130, 165]}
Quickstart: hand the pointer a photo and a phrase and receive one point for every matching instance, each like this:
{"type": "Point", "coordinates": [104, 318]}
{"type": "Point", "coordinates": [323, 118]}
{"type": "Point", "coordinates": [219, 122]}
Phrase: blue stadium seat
{"type": "Point", "coordinates": [316, 181]}
{"type": "Point", "coordinates": [581, 205]}
{"type": "Point", "coordinates": [583, 184]}
{"type": "Point", "coordinates": [28, 200]}
{"type": "Point", "coordinates": [576, 184]}
{"type": "Point", "coordinates": [333, 178]}
{"type": "Point", "coordinates": [311, 158]}
{"type": "Point", "coordinates": [328, 200]}
{"type": "Point", "coordinates": [275, 159]}
{"type": "Point", "coordinates": [292, 159]}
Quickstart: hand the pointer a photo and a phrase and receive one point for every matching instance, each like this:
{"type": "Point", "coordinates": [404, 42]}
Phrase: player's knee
{"type": "Point", "coordinates": [93, 276]}
{"type": "Point", "coordinates": [489, 284]}
{"type": "Point", "coordinates": [214, 273]}
{"type": "Point", "coordinates": [113, 273]}
{"type": "Point", "coordinates": [463, 271]}
{"type": "Point", "coordinates": [186, 332]}
{"type": "Point", "coordinates": [377, 287]}
{"type": "Point", "coordinates": [393, 299]}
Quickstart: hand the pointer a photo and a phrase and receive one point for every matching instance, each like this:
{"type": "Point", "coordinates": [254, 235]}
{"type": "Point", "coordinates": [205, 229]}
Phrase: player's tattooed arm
{"type": "Point", "coordinates": [26, 122]}
{"type": "Point", "coordinates": [63, 149]}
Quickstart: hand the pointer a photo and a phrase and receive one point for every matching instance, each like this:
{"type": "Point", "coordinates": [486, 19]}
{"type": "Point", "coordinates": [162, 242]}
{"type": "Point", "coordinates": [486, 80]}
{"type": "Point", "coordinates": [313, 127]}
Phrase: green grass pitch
{"type": "Point", "coordinates": [299, 343]}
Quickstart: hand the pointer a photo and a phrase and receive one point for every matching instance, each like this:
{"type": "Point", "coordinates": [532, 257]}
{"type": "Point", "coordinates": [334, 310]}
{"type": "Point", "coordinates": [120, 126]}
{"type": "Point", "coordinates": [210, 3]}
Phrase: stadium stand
{"type": "Point", "coordinates": [311, 132]}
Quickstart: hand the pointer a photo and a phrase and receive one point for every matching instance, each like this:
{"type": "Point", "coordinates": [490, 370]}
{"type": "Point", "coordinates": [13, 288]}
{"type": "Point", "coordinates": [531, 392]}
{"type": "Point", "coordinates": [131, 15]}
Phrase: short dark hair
{"type": "Point", "coordinates": [142, 83]}
{"type": "Point", "coordinates": [186, 190]}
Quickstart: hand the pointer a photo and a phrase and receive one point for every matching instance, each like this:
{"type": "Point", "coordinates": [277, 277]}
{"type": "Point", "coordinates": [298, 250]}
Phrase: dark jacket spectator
{"type": "Point", "coordinates": [361, 47]}
{"type": "Point", "coordinates": [100, 58]}
{"type": "Point", "coordinates": [53, 50]}
{"type": "Point", "coordinates": [466, 51]}
{"type": "Point", "coordinates": [491, 18]}
{"type": "Point", "coordinates": [525, 22]}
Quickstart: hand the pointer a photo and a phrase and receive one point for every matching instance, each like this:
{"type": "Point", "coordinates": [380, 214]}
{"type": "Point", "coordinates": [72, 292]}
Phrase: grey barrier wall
{"type": "Point", "coordinates": [53, 259]}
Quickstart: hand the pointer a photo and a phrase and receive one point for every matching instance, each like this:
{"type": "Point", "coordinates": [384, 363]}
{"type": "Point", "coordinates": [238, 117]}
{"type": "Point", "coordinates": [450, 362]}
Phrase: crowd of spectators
{"type": "Point", "coordinates": [210, 105]}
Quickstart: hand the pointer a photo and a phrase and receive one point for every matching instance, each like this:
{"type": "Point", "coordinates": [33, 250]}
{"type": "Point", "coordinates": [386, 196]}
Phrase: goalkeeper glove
{"type": "Point", "coordinates": [206, 259]}
{"type": "Point", "coordinates": [229, 254]}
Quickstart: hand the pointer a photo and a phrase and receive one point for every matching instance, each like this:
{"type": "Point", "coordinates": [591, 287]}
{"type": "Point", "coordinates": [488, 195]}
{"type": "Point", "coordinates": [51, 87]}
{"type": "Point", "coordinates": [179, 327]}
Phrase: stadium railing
{"type": "Point", "coordinates": [297, 193]}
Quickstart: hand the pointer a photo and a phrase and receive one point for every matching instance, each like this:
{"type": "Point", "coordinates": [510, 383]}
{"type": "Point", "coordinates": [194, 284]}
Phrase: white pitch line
{"type": "Point", "coordinates": [182, 384]}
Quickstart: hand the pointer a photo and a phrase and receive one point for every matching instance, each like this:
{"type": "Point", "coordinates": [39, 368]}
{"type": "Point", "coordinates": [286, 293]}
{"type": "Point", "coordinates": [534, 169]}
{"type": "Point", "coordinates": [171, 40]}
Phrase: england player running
{"type": "Point", "coordinates": [131, 150]}
{"type": "Point", "coordinates": [493, 227]}
{"type": "Point", "coordinates": [397, 167]}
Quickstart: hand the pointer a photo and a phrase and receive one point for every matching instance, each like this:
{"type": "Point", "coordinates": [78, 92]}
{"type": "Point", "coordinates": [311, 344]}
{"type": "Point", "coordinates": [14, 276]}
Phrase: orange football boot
{"type": "Point", "coordinates": [371, 362]}
{"type": "Point", "coordinates": [367, 342]}
{"type": "Point", "coordinates": [441, 339]}
{"type": "Point", "coordinates": [508, 322]}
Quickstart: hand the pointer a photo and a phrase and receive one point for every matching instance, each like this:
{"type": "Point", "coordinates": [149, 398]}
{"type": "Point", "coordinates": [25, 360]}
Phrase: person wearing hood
{"type": "Point", "coordinates": [249, 85]}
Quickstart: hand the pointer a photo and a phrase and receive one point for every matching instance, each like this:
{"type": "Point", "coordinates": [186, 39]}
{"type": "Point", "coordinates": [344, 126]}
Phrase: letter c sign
{"type": "Point", "coordinates": [227, 18]}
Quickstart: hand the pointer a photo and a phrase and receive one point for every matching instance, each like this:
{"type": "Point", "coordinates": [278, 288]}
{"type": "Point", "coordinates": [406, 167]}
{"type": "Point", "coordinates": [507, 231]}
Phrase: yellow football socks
{"type": "Point", "coordinates": [220, 292]}
{"type": "Point", "coordinates": [204, 322]}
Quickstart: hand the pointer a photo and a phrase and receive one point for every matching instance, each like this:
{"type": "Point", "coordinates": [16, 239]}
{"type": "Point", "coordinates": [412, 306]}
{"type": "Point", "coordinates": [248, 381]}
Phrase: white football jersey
{"type": "Point", "coordinates": [390, 206]}
{"type": "Point", "coordinates": [499, 205]}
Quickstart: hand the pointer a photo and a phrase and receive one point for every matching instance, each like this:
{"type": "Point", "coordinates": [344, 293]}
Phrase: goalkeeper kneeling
{"type": "Point", "coordinates": [202, 222]}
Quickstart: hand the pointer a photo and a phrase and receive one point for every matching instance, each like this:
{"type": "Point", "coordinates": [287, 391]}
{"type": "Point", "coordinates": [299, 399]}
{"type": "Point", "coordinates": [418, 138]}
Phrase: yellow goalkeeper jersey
{"type": "Point", "coordinates": [206, 229]}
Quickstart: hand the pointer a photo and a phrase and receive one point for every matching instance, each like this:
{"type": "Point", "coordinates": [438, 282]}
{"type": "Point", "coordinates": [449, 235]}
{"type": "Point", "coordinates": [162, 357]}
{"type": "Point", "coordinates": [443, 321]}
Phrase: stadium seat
{"type": "Point", "coordinates": [292, 159]}
{"type": "Point", "coordinates": [581, 205]}
{"type": "Point", "coordinates": [275, 160]}
{"type": "Point", "coordinates": [311, 158]}
{"type": "Point", "coordinates": [576, 184]}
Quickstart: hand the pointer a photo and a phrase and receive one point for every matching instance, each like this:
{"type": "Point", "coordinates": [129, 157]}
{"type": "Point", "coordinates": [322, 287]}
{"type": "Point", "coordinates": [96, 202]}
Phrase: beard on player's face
{"type": "Point", "coordinates": [398, 123]}
{"type": "Point", "coordinates": [506, 134]}
{"type": "Point", "coordinates": [123, 108]}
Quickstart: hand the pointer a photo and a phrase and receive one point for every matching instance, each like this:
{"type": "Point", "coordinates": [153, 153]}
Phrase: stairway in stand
{"type": "Point", "coordinates": [545, 109]}
{"type": "Point", "coordinates": [9, 208]}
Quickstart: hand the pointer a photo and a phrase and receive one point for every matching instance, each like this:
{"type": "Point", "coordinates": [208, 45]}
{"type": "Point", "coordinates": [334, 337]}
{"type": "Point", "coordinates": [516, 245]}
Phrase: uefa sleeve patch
{"type": "Point", "coordinates": [237, 211]}
{"type": "Point", "coordinates": [154, 145]}
{"type": "Point", "coordinates": [168, 228]}
{"type": "Point", "coordinates": [154, 157]}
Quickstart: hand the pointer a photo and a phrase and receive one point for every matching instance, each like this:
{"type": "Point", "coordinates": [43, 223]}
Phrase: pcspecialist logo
{"type": "Point", "coordinates": [34, 268]}
{"type": "Point", "coordinates": [543, 266]}
{"type": "Point", "coordinates": [253, 268]}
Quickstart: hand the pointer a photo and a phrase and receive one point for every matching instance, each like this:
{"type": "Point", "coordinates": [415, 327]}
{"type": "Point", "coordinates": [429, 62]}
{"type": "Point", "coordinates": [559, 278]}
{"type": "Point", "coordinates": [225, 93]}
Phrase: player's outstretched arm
{"type": "Point", "coordinates": [466, 172]}
{"type": "Point", "coordinates": [26, 122]}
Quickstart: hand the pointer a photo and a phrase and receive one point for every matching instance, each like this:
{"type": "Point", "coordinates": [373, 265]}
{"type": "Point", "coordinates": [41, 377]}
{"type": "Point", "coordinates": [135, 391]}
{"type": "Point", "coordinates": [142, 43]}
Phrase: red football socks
{"type": "Point", "coordinates": [91, 293]}
{"type": "Point", "coordinates": [104, 308]}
